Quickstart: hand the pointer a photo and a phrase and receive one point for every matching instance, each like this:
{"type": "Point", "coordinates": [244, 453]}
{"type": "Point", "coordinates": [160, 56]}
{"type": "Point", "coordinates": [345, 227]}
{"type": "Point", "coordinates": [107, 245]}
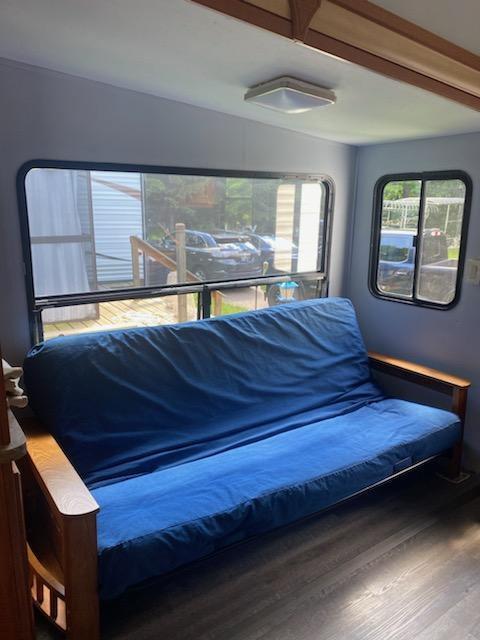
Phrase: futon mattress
{"type": "Point", "coordinates": [152, 524]}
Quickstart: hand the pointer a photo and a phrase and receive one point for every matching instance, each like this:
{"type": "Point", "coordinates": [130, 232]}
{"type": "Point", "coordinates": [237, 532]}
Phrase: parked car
{"type": "Point", "coordinates": [275, 251]}
{"type": "Point", "coordinates": [397, 264]}
{"type": "Point", "coordinates": [219, 255]}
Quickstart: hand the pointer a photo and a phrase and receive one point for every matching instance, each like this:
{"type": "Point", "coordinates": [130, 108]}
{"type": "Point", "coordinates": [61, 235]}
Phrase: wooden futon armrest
{"type": "Point", "coordinates": [62, 537]}
{"type": "Point", "coordinates": [58, 480]}
{"type": "Point", "coordinates": [454, 386]}
{"type": "Point", "coordinates": [443, 382]}
{"type": "Point", "coordinates": [423, 375]}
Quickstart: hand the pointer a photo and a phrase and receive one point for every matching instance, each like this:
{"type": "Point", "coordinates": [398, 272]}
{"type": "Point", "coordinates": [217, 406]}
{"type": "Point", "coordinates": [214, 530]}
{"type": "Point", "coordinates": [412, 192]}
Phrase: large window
{"type": "Point", "coordinates": [419, 235]}
{"type": "Point", "coordinates": [110, 246]}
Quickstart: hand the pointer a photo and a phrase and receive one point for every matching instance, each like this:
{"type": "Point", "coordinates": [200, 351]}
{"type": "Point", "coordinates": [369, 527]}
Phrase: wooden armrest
{"type": "Point", "coordinates": [454, 386]}
{"type": "Point", "coordinates": [60, 483]}
{"type": "Point", "coordinates": [423, 375]}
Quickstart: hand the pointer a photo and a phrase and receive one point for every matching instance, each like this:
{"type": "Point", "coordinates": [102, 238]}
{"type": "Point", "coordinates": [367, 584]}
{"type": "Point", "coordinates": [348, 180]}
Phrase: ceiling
{"type": "Point", "coordinates": [182, 51]}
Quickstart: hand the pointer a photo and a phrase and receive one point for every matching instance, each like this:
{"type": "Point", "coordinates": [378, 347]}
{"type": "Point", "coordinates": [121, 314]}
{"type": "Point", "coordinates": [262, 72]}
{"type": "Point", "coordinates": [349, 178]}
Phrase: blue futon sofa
{"type": "Point", "coordinates": [192, 437]}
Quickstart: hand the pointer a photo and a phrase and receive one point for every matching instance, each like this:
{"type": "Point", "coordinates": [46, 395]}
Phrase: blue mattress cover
{"type": "Point", "coordinates": [128, 402]}
{"type": "Point", "coordinates": [151, 524]}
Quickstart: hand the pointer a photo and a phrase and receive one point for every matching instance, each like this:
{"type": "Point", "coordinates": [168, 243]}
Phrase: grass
{"type": "Point", "coordinates": [453, 253]}
{"type": "Point", "coordinates": [228, 308]}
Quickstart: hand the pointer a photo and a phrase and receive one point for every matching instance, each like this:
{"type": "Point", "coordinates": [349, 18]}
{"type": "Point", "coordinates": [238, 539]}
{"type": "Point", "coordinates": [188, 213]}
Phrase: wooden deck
{"type": "Point", "coordinates": [124, 314]}
{"type": "Point", "coordinates": [150, 312]}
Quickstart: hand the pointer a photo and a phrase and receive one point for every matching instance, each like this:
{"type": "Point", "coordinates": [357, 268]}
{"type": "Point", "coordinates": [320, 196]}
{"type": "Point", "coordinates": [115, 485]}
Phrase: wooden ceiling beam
{"type": "Point", "coordinates": [403, 27]}
{"type": "Point", "coordinates": [302, 12]}
{"type": "Point", "coordinates": [365, 34]}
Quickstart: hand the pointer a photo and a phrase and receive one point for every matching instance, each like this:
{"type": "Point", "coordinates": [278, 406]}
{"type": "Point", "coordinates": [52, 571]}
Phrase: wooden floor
{"type": "Point", "coordinates": [402, 563]}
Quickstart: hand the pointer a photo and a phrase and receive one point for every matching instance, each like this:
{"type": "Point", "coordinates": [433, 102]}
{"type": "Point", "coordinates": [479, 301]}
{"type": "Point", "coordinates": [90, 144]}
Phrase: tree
{"type": "Point", "coordinates": [170, 199]}
{"type": "Point", "coordinates": [401, 189]}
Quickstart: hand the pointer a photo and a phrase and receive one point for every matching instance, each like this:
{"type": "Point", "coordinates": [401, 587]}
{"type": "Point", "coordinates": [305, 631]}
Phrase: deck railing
{"type": "Point", "coordinates": [141, 247]}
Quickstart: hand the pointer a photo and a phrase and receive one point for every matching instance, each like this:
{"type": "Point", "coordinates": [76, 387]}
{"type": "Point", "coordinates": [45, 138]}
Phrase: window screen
{"type": "Point", "coordinates": [418, 237]}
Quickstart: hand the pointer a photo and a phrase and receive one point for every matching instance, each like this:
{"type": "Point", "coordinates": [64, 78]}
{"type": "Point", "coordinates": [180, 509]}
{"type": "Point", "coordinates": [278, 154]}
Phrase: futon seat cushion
{"type": "Point", "coordinates": [152, 524]}
{"type": "Point", "coordinates": [129, 402]}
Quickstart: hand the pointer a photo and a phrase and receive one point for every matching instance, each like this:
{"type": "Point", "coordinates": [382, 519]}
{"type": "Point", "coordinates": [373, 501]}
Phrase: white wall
{"type": "Point", "coordinates": [47, 115]}
{"type": "Point", "coordinates": [448, 340]}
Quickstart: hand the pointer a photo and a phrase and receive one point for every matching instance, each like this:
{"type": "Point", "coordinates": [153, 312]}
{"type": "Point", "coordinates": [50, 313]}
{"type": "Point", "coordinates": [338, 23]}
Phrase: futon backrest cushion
{"type": "Point", "coordinates": [126, 402]}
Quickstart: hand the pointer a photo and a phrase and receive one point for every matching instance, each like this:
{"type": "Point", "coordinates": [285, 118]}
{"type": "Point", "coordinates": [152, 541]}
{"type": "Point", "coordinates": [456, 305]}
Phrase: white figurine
{"type": "Point", "coordinates": [15, 394]}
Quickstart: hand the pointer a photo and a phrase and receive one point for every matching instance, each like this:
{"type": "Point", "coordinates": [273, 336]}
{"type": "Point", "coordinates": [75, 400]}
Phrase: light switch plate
{"type": "Point", "coordinates": [472, 274]}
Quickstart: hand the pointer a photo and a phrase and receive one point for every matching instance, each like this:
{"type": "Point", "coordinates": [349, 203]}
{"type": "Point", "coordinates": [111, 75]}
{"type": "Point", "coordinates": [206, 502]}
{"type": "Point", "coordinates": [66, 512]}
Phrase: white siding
{"type": "Point", "coordinates": [116, 216]}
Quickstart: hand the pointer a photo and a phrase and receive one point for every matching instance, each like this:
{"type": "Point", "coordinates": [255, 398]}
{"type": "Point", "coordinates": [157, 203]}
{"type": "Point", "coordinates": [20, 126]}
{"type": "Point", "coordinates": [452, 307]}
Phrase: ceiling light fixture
{"type": "Point", "coordinates": [290, 95]}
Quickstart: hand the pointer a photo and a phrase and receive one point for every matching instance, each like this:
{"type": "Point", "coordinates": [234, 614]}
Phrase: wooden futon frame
{"type": "Point", "coordinates": [61, 513]}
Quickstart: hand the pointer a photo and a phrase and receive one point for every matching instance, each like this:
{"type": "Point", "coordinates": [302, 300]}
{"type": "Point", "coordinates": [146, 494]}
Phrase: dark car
{"type": "Point", "coordinates": [396, 265]}
{"type": "Point", "coordinates": [220, 255]}
{"type": "Point", "coordinates": [278, 254]}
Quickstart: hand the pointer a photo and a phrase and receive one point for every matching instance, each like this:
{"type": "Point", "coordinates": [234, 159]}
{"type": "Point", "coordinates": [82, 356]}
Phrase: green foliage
{"type": "Point", "coordinates": [238, 213]}
{"type": "Point", "coordinates": [401, 189]}
{"type": "Point", "coordinates": [238, 188]}
{"type": "Point", "coordinates": [237, 204]}
{"type": "Point", "coordinates": [434, 189]}
{"type": "Point", "coordinates": [264, 206]}
{"type": "Point", "coordinates": [446, 216]}
{"type": "Point", "coordinates": [445, 188]}
{"type": "Point", "coordinates": [165, 198]}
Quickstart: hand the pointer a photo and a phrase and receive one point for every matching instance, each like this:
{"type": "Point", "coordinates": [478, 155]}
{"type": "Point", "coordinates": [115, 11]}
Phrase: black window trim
{"type": "Point", "coordinates": [37, 304]}
{"type": "Point", "coordinates": [423, 177]}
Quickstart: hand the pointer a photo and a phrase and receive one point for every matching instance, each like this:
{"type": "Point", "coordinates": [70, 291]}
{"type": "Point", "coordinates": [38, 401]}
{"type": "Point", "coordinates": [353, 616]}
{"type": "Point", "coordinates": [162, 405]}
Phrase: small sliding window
{"type": "Point", "coordinates": [116, 246]}
{"type": "Point", "coordinates": [419, 236]}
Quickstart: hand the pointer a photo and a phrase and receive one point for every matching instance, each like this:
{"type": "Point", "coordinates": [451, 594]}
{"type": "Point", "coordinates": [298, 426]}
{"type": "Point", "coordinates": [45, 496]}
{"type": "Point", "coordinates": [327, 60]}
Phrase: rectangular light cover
{"type": "Point", "coordinates": [289, 95]}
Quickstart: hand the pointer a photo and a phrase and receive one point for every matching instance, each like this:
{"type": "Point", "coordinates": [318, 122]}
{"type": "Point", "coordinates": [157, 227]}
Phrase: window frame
{"type": "Point", "coordinates": [37, 304]}
{"type": "Point", "coordinates": [375, 237]}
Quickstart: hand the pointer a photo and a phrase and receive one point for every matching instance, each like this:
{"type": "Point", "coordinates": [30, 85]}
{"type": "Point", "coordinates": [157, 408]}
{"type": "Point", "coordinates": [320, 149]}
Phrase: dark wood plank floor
{"type": "Point", "coordinates": [401, 563]}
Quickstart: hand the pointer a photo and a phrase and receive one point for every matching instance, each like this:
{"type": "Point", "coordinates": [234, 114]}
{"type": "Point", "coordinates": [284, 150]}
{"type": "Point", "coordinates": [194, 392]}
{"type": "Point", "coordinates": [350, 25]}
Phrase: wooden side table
{"type": "Point", "coordinates": [16, 612]}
